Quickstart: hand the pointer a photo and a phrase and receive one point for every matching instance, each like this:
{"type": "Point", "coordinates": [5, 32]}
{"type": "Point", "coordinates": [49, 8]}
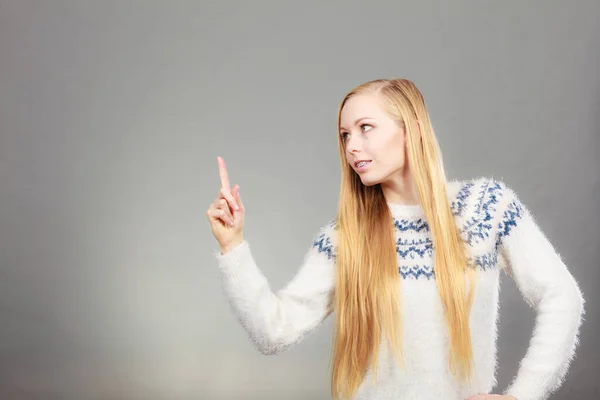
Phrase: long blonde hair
{"type": "Point", "coordinates": [367, 284]}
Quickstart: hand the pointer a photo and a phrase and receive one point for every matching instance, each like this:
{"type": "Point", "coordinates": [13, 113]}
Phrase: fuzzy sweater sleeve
{"type": "Point", "coordinates": [276, 320]}
{"type": "Point", "coordinates": [547, 285]}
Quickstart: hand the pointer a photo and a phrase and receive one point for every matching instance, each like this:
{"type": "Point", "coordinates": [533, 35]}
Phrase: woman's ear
{"type": "Point", "coordinates": [404, 129]}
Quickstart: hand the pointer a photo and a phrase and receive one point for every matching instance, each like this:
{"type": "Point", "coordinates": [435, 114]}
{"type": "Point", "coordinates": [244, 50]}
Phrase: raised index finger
{"type": "Point", "coordinates": [223, 173]}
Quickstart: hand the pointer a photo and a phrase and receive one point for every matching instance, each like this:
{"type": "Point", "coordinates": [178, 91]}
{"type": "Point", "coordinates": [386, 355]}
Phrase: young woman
{"type": "Point", "coordinates": [410, 265]}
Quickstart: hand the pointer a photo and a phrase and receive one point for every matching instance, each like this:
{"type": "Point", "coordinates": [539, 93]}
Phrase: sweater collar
{"type": "Point", "coordinates": [406, 210]}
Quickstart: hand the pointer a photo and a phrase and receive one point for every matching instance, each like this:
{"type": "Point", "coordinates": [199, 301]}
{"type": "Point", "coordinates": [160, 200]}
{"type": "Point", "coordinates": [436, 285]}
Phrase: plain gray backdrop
{"type": "Point", "coordinates": [112, 115]}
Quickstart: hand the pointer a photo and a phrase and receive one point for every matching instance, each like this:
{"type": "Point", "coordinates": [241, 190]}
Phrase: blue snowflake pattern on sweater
{"type": "Point", "coordinates": [416, 271]}
{"type": "Point", "coordinates": [414, 248]}
{"type": "Point", "coordinates": [404, 225]}
{"type": "Point", "coordinates": [322, 244]}
{"type": "Point", "coordinates": [476, 212]}
{"type": "Point", "coordinates": [514, 211]}
{"type": "Point", "coordinates": [485, 261]}
{"type": "Point", "coordinates": [459, 204]}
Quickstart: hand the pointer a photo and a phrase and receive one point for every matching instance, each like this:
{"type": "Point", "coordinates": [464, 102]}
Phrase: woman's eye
{"type": "Point", "coordinates": [363, 128]}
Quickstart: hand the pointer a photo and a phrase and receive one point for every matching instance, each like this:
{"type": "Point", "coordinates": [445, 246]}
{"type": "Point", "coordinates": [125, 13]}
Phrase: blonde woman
{"type": "Point", "coordinates": [409, 266]}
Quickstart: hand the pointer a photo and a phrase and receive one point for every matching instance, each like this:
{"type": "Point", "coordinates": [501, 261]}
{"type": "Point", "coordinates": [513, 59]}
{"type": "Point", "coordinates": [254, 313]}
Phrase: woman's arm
{"type": "Point", "coordinates": [546, 284]}
{"type": "Point", "coordinates": [274, 321]}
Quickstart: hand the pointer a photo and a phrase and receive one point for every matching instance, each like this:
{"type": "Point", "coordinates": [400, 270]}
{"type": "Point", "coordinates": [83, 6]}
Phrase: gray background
{"type": "Point", "coordinates": [112, 114]}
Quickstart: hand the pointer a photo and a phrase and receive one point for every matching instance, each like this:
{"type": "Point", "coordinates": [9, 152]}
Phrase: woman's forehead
{"type": "Point", "coordinates": [361, 106]}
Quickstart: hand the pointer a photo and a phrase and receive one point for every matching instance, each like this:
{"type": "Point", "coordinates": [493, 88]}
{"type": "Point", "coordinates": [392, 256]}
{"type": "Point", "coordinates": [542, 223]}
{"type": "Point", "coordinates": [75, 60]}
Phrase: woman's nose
{"type": "Point", "coordinates": [352, 146]}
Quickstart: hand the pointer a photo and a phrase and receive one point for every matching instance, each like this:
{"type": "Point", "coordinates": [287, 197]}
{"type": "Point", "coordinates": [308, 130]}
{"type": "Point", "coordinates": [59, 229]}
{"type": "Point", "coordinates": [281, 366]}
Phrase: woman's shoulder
{"type": "Point", "coordinates": [480, 197]}
{"type": "Point", "coordinates": [324, 240]}
{"type": "Point", "coordinates": [480, 189]}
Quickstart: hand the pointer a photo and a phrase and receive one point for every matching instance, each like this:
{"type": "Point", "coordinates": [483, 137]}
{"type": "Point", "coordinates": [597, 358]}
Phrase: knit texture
{"type": "Point", "coordinates": [501, 235]}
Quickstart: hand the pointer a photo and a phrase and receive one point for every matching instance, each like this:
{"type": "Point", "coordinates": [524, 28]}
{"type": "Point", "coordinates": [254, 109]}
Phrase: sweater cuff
{"type": "Point", "coordinates": [236, 265]}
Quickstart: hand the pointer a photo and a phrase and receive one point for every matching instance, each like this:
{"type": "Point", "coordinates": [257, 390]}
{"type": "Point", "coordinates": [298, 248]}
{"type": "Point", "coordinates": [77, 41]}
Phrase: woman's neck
{"type": "Point", "coordinates": [401, 190]}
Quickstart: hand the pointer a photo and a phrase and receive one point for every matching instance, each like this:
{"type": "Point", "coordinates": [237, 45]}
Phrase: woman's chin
{"type": "Point", "coordinates": [368, 181]}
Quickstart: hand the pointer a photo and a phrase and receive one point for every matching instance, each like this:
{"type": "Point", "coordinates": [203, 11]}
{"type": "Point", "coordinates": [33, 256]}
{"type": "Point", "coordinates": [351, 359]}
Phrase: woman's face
{"type": "Point", "coordinates": [369, 133]}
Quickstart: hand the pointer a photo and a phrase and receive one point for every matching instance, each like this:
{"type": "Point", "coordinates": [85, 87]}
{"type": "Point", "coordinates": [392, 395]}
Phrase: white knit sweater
{"type": "Point", "coordinates": [502, 236]}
